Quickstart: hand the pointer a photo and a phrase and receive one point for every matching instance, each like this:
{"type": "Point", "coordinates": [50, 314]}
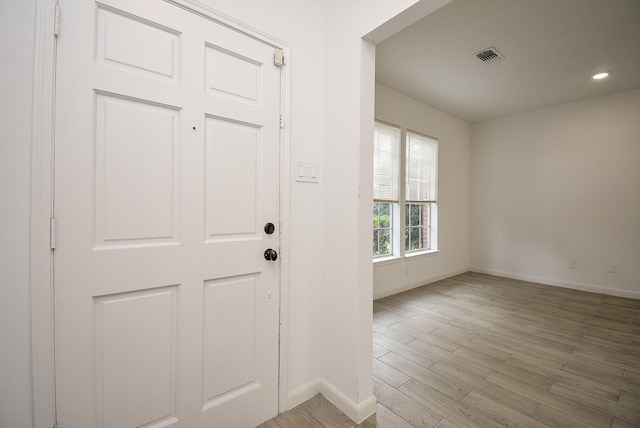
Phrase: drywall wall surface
{"type": "Point", "coordinates": [17, 22]}
{"type": "Point", "coordinates": [347, 156]}
{"type": "Point", "coordinates": [390, 277]}
{"type": "Point", "coordinates": [555, 195]}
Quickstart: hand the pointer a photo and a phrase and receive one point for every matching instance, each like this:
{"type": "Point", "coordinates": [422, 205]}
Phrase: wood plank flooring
{"type": "Point", "coordinates": [320, 413]}
{"type": "Point", "coordinates": [483, 351]}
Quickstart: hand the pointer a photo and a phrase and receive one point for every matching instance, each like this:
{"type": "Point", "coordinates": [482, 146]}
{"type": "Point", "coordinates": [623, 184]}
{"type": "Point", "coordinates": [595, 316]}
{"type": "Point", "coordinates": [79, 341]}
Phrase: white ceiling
{"type": "Point", "coordinates": [551, 49]}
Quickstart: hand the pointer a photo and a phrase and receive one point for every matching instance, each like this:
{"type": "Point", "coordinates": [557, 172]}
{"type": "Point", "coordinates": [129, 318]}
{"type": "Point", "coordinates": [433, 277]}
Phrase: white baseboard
{"type": "Point", "coordinates": [357, 412]}
{"type": "Point", "coordinates": [391, 291]}
{"type": "Point", "coordinates": [303, 393]}
{"type": "Point", "coordinates": [559, 283]}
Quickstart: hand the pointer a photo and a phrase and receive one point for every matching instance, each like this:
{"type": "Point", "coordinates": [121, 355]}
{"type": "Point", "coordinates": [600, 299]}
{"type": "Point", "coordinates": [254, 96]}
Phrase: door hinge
{"type": "Point", "coordinates": [278, 57]}
{"type": "Point", "coordinates": [56, 20]}
{"type": "Point", "coordinates": [281, 122]}
{"type": "Point", "coordinates": [52, 233]}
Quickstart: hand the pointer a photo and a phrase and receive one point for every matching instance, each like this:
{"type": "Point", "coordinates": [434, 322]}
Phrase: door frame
{"type": "Point", "coordinates": [42, 203]}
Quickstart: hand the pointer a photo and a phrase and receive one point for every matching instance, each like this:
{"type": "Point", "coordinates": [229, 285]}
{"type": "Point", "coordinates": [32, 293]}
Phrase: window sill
{"type": "Point", "coordinates": [386, 260]}
{"type": "Point", "coordinates": [421, 253]}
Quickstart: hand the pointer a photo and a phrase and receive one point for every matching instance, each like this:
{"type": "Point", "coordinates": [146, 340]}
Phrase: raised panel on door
{"type": "Point", "coordinates": [136, 361]}
{"type": "Point", "coordinates": [233, 75]}
{"type": "Point", "coordinates": [230, 301]}
{"type": "Point", "coordinates": [167, 166]}
{"type": "Point", "coordinates": [123, 41]}
{"type": "Point", "coordinates": [233, 178]}
{"type": "Point", "coordinates": [136, 171]}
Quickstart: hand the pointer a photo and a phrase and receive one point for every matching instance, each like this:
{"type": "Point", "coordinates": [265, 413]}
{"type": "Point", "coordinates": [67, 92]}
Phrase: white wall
{"type": "Point", "coordinates": [16, 50]}
{"type": "Point", "coordinates": [560, 184]}
{"type": "Point", "coordinates": [390, 277]}
{"type": "Point", "coordinates": [348, 129]}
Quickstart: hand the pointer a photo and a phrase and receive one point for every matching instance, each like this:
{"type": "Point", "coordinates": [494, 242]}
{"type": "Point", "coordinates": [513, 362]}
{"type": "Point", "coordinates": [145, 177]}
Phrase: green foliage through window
{"type": "Point", "coordinates": [382, 222]}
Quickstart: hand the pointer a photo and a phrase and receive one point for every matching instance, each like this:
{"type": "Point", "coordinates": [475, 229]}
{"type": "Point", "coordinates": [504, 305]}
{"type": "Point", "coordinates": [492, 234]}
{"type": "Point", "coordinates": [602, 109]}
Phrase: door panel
{"type": "Point", "coordinates": [237, 163]}
{"type": "Point", "coordinates": [245, 81]}
{"type": "Point", "coordinates": [140, 349]}
{"type": "Point", "coordinates": [167, 166]}
{"type": "Point", "coordinates": [123, 41]}
{"type": "Point", "coordinates": [229, 301]}
{"type": "Point", "coordinates": [136, 165]}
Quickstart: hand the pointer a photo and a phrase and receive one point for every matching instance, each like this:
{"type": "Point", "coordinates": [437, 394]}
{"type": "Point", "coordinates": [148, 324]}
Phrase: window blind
{"type": "Point", "coordinates": [422, 161]}
{"type": "Point", "coordinates": [386, 153]}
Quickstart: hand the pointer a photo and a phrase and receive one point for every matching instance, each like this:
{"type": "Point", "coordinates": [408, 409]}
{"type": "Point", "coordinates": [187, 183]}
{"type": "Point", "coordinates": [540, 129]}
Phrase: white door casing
{"type": "Point", "coordinates": [167, 168]}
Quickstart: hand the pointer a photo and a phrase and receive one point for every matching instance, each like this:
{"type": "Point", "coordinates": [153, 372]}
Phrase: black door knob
{"type": "Point", "coordinates": [270, 255]}
{"type": "Point", "coordinates": [269, 228]}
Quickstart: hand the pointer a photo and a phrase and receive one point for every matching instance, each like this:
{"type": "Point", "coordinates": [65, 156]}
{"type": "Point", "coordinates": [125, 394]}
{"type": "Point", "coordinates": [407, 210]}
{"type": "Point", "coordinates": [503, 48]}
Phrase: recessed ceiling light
{"type": "Point", "coordinates": [600, 75]}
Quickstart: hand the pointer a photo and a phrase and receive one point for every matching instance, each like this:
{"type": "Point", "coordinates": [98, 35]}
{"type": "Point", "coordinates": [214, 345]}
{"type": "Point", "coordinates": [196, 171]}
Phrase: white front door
{"type": "Point", "coordinates": [167, 170]}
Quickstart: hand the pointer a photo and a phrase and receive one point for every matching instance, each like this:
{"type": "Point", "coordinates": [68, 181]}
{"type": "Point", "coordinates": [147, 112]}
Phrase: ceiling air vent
{"type": "Point", "coordinates": [489, 55]}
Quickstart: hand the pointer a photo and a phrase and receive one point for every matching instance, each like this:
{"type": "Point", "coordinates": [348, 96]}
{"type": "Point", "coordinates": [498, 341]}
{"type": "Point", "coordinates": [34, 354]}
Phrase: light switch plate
{"type": "Point", "coordinates": [307, 172]}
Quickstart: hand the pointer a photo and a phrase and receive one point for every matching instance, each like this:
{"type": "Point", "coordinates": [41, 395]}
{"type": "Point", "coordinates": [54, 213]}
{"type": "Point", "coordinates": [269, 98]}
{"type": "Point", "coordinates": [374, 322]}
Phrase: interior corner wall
{"type": "Point", "coordinates": [390, 277]}
{"type": "Point", "coordinates": [560, 184]}
{"type": "Point", "coordinates": [347, 292]}
{"type": "Point", "coordinates": [17, 20]}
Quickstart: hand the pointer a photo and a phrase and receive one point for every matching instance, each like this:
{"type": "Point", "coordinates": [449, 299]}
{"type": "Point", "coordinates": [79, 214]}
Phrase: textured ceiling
{"type": "Point", "coordinates": [551, 49]}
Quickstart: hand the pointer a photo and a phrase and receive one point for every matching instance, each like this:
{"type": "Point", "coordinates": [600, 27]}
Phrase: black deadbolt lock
{"type": "Point", "coordinates": [269, 228]}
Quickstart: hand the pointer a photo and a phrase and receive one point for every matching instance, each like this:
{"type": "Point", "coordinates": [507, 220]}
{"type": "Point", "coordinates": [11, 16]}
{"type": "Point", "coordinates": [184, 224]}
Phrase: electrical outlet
{"type": "Point", "coordinates": [611, 268]}
{"type": "Point", "coordinates": [573, 264]}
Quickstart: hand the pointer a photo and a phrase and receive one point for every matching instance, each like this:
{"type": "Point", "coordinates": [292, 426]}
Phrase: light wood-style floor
{"type": "Point", "coordinates": [482, 351]}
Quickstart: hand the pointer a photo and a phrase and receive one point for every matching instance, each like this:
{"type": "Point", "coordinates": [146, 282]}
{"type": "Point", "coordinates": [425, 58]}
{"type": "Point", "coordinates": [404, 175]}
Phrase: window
{"type": "Point", "coordinates": [420, 193]}
{"type": "Point", "coordinates": [386, 155]}
{"type": "Point", "coordinates": [415, 202]}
